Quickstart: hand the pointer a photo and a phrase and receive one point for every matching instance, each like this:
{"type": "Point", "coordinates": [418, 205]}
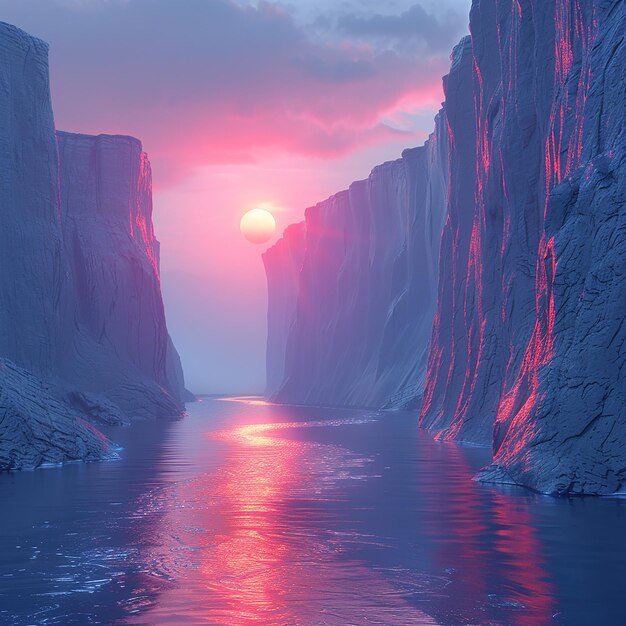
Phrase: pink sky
{"type": "Point", "coordinates": [239, 104]}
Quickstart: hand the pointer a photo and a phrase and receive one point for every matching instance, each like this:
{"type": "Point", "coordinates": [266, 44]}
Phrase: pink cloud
{"type": "Point", "coordinates": [215, 82]}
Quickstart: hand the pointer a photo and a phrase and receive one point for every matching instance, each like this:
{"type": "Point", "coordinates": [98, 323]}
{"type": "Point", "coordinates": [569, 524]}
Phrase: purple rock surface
{"type": "Point", "coordinates": [82, 326]}
{"type": "Point", "coordinates": [114, 315]}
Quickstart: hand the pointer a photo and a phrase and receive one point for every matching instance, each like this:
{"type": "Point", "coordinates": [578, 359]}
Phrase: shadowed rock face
{"type": "Point", "coordinates": [35, 427]}
{"type": "Point", "coordinates": [82, 326]}
{"type": "Point", "coordinates": [31, 259]}
{"type": "Point", "coordinates": [352, 291]}
{"type": "Point", "coordinates": [115, 316]}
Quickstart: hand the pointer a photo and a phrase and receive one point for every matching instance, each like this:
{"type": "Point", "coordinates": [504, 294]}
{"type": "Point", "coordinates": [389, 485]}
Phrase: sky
{"type": "Point", "coordinates": [242, 104]}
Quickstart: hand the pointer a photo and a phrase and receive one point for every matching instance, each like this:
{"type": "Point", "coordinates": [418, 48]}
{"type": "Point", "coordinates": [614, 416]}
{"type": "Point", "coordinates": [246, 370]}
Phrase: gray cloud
{"type": "Point", "coordinates": [416, 23]}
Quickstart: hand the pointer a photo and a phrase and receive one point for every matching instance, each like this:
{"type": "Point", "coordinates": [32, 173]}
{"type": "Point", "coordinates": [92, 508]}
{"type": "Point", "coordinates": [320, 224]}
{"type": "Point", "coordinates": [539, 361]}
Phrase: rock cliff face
{"type": "Point", "coordinates": [283, 263]}
{"type": "Point", "coordinates": [561, 419]}
{"type": "Point", "coordinates": [34, 426]}
{"type": "Point", "coordinates": [352, 291]}
{"type": "Point", "coordinates": [115, 316]}
{"type": "Point", "coordinates": [528, 341]}
{"type": "Point", "coordinates": [82, 327]}
{"type": "Point", "coordinates": [31, 259]}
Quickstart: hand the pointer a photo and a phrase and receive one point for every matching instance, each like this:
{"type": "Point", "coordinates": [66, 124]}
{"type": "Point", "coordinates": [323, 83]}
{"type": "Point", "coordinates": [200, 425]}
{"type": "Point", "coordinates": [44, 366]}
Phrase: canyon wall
{"type": "Point", "coordinates": [352, 290]}
{"type": "Point", "coordinates": [35, 426]}
{"type": "Point", "coordinates": [82, 327]}
{"type": "Point", "coordinates": [561, 419]}
{"type": "Point", "coordinates": [528, 345]}
{"type": "Point", "coordinates": [283, 262]}
{"type": "Point", "coordinates": [528, 338]}
{"type": "Point", "coordinates": [120, 347]}
{"type": "Point", "coordinates": [31, 262]}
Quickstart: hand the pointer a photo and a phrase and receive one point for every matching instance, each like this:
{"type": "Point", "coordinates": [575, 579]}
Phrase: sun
{"type": "Point", "coordinates": [258, 226]}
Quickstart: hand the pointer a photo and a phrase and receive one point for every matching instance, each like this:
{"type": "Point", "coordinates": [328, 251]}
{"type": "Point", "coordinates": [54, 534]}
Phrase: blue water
{"type": "Point", "coordinates": [249, 513]}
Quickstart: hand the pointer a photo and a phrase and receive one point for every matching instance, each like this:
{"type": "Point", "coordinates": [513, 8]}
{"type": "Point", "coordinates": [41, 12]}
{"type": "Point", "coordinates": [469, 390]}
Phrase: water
{"type": "Point", "coordinates": [251, 513]}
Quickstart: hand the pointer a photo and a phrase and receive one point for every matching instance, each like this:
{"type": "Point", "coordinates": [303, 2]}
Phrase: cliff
{"type": "Point", "coordinates": [31, 260]}
{"type": "Point", "coordinates": [528, 351]}
{"type": "Point", "coordinates": [283, 262]}
{"type": "Point", "coordinates": [114, 317]}
{"type": "Point", "coordinates": [560, 424]}
{"type": "Point", "coordinates": [527, 348]}
{"type": "Point", "coordinates": [344, 286]}
{"type": "Point", "coordinates": [82, 326]}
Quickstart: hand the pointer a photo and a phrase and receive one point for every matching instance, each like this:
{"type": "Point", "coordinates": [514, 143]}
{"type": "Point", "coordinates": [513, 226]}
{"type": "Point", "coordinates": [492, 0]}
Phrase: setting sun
{"type": "Point", "coordinates": [258, 226]}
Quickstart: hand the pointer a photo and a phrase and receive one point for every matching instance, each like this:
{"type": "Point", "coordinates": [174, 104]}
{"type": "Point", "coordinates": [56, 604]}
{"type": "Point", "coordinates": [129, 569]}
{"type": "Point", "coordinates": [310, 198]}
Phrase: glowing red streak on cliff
{"type": "Point", "coordinates": [434, 365]}
{"type": "Point", "coordinates": [475, 328]}
{"type": "Point", "coordinates": [518, 404]}
{"type": "Point", "coordinates": [142, 221]}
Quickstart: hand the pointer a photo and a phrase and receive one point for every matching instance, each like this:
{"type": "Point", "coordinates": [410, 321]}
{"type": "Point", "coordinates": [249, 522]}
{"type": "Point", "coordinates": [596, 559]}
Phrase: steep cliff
{"type": "Point", "coordinates": [283, 262]}
{"type": "Point", "coordinates": [82, 326]}
{"type": "Point", "coordinates": [530, 336]}
{"type": "Point", "coordinates": [35, 427]}
{"type": "Point", "coordinates": [352, 292]}
{"type": "Point", "coordinates": [115, 321]}
{"type": "Point", "coordinates": [31, 259]}
{"type": "Point", "coordinates": [561, 420]}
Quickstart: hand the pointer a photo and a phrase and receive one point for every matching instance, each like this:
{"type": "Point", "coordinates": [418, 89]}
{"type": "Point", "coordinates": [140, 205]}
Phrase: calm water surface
{"type": "Point", "coordinates": [251, 513]}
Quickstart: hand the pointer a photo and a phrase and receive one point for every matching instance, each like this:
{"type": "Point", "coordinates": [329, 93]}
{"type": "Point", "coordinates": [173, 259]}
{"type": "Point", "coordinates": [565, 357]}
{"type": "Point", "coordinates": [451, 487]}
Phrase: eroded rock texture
{"type": "Point", "coordinates": [561, 422]}
{"type": "Point", "coordinates": [352, 290]}
{"type": "Point", "coordinates": [529, 334]}
{"type": "Point", "coordinates": [37, 428]}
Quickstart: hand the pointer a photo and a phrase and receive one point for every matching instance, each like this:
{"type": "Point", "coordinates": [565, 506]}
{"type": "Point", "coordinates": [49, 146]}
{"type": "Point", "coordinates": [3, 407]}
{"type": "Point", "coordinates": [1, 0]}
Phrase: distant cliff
{"type": "Point", "coordinates": [120, 344]}
{"type": "Point", "coordinates": [352, 290]}
{"type": "Point", "coordinates": [528, 341]}
{"type": "Point", "coordinates": [82, 326]}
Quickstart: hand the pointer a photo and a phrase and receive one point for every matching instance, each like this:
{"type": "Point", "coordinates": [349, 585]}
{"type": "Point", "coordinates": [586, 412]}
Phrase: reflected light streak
{"type": "Point", "coordinates": [263, 549]}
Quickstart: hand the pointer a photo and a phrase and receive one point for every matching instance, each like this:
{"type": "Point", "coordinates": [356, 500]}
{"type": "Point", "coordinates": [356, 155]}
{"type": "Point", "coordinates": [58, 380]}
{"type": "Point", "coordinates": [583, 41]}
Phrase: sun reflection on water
{"type": "Point", "coordinates": [260, 547]}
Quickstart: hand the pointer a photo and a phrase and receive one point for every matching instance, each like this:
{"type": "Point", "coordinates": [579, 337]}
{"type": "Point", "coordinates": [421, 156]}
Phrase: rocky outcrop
{"type": "Point", "coordinates": [352, 291]}
{"type": "Point", "coordinates": [36, 428]}
{"type": "Point", "coordinates": [82, 326]}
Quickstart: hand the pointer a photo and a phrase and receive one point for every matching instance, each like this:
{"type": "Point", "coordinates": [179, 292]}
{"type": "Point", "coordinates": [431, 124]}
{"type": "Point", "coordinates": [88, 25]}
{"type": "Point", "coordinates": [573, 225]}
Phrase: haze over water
{"type": "Point", "coordinates": [246, 512]}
